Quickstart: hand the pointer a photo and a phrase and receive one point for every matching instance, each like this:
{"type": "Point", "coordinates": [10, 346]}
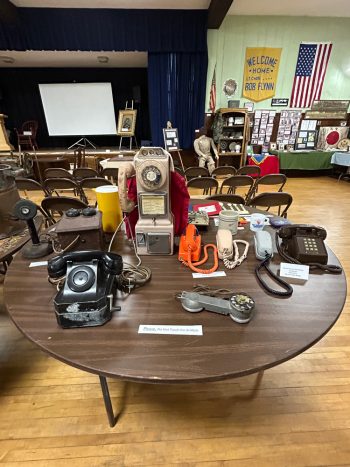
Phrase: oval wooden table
{"type": "Point", "coordinates": [280, 329]}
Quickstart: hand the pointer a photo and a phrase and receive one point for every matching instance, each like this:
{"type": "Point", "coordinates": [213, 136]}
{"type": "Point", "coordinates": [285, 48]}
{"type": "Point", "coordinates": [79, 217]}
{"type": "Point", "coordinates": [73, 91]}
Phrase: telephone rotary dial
{"type": "Point", "coordinates": [151, 176]}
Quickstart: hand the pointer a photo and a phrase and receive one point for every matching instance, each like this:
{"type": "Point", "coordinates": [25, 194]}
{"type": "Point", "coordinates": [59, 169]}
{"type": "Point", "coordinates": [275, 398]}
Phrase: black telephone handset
{"type": "Point", "coordinates": [304, 244]}
{"type": "Point", "coordinates": [111, 262]}
{"type": "Point", "coordinates": [87, 294]}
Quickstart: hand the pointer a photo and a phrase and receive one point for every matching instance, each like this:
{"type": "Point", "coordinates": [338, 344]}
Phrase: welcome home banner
{"type": "Point", "coordinates": [260, 72]}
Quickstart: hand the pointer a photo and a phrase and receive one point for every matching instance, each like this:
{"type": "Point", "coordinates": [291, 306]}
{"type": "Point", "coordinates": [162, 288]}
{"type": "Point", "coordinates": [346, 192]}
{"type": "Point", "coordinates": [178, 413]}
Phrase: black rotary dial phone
{"type": "Point", "coordinates": [86, 298]}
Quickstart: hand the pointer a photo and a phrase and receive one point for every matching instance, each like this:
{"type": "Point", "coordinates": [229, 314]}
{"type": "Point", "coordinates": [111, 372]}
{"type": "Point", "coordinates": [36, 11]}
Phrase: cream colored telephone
{"type": "Point", "coordinates": [228, 249]}
{"type": "Point", "coordinates": [155, 227]}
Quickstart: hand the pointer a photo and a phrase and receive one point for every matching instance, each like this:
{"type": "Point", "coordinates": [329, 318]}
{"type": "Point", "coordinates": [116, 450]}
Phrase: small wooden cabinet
{"type": "Point", "coordinates": [233, 137]}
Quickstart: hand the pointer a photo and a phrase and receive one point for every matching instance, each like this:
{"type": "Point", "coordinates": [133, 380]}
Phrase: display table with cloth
{"type": "Point", "coordinates": [269, 164]}
{"type": "Point", "coordinates": [116, 162]}
{"type": "Point", "coordinates": [279, 330]}
{"type": "Point", "coordinates": [305, 160]}
{"type": "Point", "coordinates": [342, 158]}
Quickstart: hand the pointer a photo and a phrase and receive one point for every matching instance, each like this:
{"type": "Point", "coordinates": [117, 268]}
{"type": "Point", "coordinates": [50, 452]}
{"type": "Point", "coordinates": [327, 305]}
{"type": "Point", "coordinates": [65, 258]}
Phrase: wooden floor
{"type": "Point", "coordinates": [53, 415]}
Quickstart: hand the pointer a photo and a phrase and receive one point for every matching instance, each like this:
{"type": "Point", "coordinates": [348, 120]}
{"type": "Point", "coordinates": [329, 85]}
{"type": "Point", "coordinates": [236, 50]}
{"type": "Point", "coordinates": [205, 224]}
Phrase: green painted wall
{"type": "Point", "coordinates": [226, 48]}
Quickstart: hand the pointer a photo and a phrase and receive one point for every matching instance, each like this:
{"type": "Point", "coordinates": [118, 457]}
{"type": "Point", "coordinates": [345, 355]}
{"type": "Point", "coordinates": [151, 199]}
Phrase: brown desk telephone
{"type": "Point", "coordinates": [304, 244]}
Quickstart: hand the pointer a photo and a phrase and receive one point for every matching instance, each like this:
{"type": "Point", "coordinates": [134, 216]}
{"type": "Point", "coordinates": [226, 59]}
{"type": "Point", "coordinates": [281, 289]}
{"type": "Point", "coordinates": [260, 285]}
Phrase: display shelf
{"type": "Point", "coordinates": [229, 117]}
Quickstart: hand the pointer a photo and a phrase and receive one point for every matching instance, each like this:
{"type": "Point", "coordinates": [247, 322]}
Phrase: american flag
{"type": "Point", "coordinates": [212, 98]}
{"type": "Point", "coordinates": [309, 74]}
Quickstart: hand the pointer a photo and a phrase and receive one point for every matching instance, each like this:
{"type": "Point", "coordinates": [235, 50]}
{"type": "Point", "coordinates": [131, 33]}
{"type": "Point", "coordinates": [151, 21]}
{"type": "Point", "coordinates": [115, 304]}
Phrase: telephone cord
{"type": "Point", "coordinates": [331, 268]}
{"type": "Point", "coordinates": [265, 264]}
{"type": "Point", "coordinates": [193, 267]}
{"type": "Point", "coordinates": [238, 260]}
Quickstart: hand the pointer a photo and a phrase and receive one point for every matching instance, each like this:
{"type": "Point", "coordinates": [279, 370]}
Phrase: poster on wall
{"type": "Point", "coordinates": [262, 127]}
{"type": "Point", "coordinates": [260, 72]}
{"type": "Point", "coordinates": [288, 127]}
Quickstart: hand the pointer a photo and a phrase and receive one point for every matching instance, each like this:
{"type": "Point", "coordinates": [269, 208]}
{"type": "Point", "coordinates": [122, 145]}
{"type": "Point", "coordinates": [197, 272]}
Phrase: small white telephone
{"type": "Point", "coordinates": [226, 246]}
{"type": "Point", "coordinates": [263, 244]}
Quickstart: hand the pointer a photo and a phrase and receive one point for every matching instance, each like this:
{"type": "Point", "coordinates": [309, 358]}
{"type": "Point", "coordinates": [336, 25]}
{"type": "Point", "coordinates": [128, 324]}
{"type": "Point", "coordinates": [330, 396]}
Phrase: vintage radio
{"type": "Point", "coordinates": [81, 229]}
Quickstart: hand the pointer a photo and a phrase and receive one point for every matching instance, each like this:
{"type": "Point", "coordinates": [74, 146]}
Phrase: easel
{"type": "Point", "coordinates": [129, 136]}
{"type": "Point", "coordinates": [178, 152]}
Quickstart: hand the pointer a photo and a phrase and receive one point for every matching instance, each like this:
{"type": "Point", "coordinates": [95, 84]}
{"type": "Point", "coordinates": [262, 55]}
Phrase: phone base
{"type": "Point", "coordinates": [37, 250]}
{"type": "Point", "coordinates": [154, 240]}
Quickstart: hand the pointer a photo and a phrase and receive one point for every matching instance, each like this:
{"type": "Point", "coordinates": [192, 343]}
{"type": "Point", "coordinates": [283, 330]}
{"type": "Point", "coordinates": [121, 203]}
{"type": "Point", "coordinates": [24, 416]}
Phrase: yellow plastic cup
{"type": "Point", "coordinates": [108, 203]}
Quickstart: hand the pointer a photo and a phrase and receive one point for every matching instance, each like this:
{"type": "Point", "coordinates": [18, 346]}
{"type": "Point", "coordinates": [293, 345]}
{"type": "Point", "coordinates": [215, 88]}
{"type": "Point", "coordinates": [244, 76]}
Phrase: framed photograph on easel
{"type": "Point", "coordinates": [126, 122]}
{"type": "Point", "coordinates": [171, 139]}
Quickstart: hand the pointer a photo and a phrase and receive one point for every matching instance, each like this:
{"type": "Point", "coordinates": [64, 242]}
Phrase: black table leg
{"type": "Point", "coordinates": [108, 403]}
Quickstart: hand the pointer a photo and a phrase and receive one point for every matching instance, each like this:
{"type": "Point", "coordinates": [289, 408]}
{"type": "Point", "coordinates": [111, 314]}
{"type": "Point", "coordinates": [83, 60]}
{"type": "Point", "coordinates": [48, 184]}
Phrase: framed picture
{"type": "Point", "coordinates": [249, 106]}
{"type": "Point", "coordinates": [171, 139]}
{"type": "Point", "coordinates": [126, 122]}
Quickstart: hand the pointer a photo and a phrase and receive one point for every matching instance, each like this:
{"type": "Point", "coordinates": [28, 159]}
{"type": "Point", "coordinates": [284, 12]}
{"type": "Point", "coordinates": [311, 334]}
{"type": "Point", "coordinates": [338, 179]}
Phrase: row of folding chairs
{"type": "Point", "coordinates": [211, 185]}
{"type": "Point", "coordinates": [50, 206]}
{"type": "Point", "coordinates": [82, 172]}
{"type": "Point", "coordinates": [280, 200]}
{"type": "Point", "coordinates": [53, 186]}
{"type": "Point", "coordinates": [225, 170]}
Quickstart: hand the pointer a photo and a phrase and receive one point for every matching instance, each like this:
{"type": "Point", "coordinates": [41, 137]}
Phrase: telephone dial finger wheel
{"type": "Point", "coordinates": [81, 279]}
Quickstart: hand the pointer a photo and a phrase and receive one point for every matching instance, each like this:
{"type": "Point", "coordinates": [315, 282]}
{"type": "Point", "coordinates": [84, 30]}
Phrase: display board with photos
{"type": "Point", "coordinates": [307, 135]}
{"type": "Point", "coordinates": [171, 139]}
{"type": "Point", "coordinates": [263, 126]}
{"type": "Point", "coordinates": [288, 127]}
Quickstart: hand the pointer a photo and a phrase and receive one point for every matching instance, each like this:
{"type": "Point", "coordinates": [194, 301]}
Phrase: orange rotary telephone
{"type": "Point", "coordinates": [190, 251]}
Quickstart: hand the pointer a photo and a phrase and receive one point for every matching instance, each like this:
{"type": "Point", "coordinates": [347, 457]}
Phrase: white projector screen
{"type": "Point", "coordinates": [78, 109]}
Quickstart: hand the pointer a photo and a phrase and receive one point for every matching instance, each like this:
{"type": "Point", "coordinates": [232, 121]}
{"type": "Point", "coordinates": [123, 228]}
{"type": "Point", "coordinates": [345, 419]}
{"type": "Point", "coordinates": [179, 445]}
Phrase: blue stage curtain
{"type": "Point", "coordinates": [176, 84]}
{"type": "Point", "coordinates": [106, 30]}
{"type": "Point", "coordinates": [176, 41]}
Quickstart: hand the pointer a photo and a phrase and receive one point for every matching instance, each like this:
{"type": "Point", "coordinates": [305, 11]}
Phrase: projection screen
{"type": "Point", "coordinates": [78, 109]}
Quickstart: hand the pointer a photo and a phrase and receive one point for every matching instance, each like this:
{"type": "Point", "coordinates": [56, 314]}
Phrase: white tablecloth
{"type": "Point", "coordinates": [341, 158]}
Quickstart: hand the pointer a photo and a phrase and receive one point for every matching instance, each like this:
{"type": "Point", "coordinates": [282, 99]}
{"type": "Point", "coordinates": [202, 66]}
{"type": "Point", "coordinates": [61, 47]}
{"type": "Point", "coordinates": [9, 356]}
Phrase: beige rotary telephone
{"type": "Point", "coordinates": [155, 227]}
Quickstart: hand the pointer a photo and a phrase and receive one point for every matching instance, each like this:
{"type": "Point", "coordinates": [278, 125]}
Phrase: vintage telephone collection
{"type": "Point", "coordinates": [88, 278]}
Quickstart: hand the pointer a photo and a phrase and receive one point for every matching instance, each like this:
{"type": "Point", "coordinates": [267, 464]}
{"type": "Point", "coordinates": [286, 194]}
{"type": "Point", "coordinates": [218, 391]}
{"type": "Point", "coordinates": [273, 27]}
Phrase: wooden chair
{"type": "Point", "coordinates": [59, 204]}
{"type": "Point", "coordinates": [232, 183]}
{"type": "Point", "coordinates": [52, 185]}
{"type": "Point", "coordinates": [27, 184]}
{"type": "Point", "coordinates": [57, 172]}
{"type": "Point", "coordinates": [274, 199]}
{"type": "Point", "coordinates": [84, 172]}
{"type": "Point", "coordinates": [193, 172]}
{"type": "Point", "coordinates": [225, 170]}
{"type": "Point", "coordinates": [79, 158]}
{"type": "Point", "coordinates": [205, 183]}
{"type": "Point", "coordinates": [272, 179]}
{"type": "Point", "coordinates": [252, 170]}
{"type": "Point", "coordinates": [26, 136]}
{"type": "Point", "coordinates": [226, 198]}
{"type": "Point", "coordinates": [111, 174]}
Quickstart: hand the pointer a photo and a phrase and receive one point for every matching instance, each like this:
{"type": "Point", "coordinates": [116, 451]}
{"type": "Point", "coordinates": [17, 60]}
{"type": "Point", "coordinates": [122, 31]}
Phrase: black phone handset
{"type": "Point", "coordinates": [111, 262]}
{"type": "Point", "coordinates": [304, 244]}
{"type": "Point", "coordinates": [86, 297]}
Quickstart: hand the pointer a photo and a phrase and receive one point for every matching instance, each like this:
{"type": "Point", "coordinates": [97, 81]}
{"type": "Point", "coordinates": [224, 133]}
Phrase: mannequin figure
{"type": "Point", "coordinates": [202, 146]}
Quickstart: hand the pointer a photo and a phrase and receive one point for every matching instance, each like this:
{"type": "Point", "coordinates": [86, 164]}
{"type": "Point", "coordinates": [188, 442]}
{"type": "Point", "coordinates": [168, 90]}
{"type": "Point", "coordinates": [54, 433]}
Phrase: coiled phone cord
{"type": "Point", "coordinates": [265, 264]}
{"type": "Point", "coordinates": [193, 267]}
{"type": "Point", "coordinates": [331, 268]}
{"type": "Point", "coordinates": [238, 260]}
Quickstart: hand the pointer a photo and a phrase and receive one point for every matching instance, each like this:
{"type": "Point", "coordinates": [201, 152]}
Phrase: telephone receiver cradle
{"type": "Point", "coordinates": [86, 298]}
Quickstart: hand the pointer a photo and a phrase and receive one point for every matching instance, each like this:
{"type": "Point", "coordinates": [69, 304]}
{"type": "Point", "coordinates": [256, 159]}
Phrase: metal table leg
{"type": "Point", "coordinates": [108, 403]}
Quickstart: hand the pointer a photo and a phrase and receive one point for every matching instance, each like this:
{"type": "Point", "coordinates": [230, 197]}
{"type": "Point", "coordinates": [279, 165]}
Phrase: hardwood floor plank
{"type": "Point", "coordinates": [53, 415]}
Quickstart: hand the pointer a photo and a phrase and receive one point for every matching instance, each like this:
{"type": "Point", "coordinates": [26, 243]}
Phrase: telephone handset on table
{"type": "Point", "coordinates": [228, 249]}
{"type": "Point", "coordinates": [304, 244]}
{"type": "Point", "coordinates": [87, 294]}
